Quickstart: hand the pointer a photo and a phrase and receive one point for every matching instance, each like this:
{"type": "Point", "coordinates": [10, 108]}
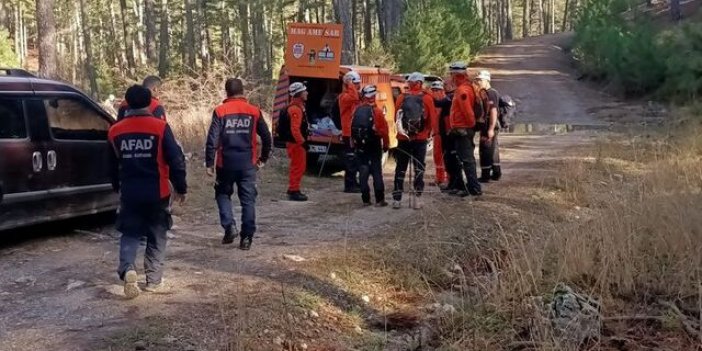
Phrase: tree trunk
{"type": "Point", "coordinates": [150, 19]}
{"type": "Point", "coordinates": [205, 38]}
{"type": "Point", "coordinates": [540, 13]}
{"type": "Point", "coordinates": [394, 13]}
{"type": "Point", "coordinates": [509, 20]}
{"type": "Point", "coordinates": [354, 26]}
{"type": "Point", "coordinates": [5, 19]}
{"type": "Point", "coordinates": [368, 24]}
{"type": "Point", "coordinates": [675, 11]}
{"type": "Point", "coordinates": [382, 30]}
{"type": "Point", "coordinates": [245, 37]}
{"type": "Point", "coordinates": [90, 69]}
{"type": "Point", "coordinates": [140, 46]}
{"type": "Point", "coordinates": [46, 33]}
{"type": "Point", "coordinates": [260, 36]}
{"type": "Point", "coordinates": [566, 13]}
{"type": "Point", "coordinates": [164, 48]}
{"type": "Point", "coordinates": [121, 56]}
{"type": "Point", "coordinates": [189, 43]}
{"type": "Point", "coordinates": [128, 40]}
{"type": "Point", "coordinates": [224, 28]}
{"type": "Point", "coordinates": [342, 10]}
{"type": "Point", "coordinates": [301, 11]}
{"type": "Point", "coordinates": [526, 19]}
{"type": "Point", "coordinates": [552, 16]}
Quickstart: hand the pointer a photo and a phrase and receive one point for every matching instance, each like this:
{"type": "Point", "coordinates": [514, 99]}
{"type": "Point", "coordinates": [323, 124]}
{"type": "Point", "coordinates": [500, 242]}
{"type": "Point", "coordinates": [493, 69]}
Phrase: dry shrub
{"type": "Point", "coordinates": [190, 101]}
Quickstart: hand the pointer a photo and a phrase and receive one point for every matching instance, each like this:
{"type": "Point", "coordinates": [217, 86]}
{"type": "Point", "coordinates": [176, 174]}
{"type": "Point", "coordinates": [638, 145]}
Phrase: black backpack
{"type": "Point", "coordinates": [362, 126]}
{"type": "Point", "coordinates": [413, 114]}
{"type": "Point", "coordinates": [282, 130]}
{"type": "Point", "coordinates": [506, 109]}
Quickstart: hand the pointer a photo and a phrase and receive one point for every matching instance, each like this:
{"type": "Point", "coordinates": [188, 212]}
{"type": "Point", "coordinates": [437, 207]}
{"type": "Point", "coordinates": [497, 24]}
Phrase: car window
{"type": "Point", "coordinates": [12, 122]}
{"type": "Point", "coordinates": [75, 120]}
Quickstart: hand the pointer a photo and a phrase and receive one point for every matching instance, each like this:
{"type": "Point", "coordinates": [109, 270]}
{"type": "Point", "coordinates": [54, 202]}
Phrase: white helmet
{"type": "Point", "coordinates": [416, 77]}
{"type": "Point", "coordinates": [352, 77]}
{"type": "Point", "coordinates": [296, 88]}
{"type": "Point", "coordinates": [483, 75]}
{"type": "Point", "coordinates": [458, 67]}
{"type": "Point", "coordinates": [437, 85]}
{"type": "Point", "coordinates": [369, 91]}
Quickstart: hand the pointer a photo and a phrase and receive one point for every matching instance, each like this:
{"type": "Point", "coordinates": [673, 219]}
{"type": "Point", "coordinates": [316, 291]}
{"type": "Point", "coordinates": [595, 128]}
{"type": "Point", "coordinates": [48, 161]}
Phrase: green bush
{"type": "Point", "coordinates": [7, 54]}
{"type": "Point", "coordinates": [436, 32]}
{"type": "Point", "coordinates": [637, 56]}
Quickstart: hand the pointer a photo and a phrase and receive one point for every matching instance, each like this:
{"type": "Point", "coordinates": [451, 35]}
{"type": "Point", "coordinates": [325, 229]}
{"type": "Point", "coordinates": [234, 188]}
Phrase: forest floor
{"type": "Point", "coordinates": [306, 283]}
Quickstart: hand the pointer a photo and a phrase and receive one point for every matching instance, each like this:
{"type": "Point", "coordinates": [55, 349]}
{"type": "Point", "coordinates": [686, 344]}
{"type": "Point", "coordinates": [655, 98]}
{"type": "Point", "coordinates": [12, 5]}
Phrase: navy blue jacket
{"type": "Point", "coordinates": [146, 156]}
{"type": "Point", "coordinates": [231, 141]}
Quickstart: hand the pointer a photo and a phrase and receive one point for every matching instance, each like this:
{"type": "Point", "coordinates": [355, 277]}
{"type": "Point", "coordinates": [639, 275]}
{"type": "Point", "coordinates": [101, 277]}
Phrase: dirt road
{"type": "Point", "coordinates": [59, 291]}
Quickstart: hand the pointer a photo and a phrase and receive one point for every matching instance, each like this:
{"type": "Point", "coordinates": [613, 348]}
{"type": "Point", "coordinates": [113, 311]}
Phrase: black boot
{"type": "Point", "coordinates": [297, 196]}
{"type": "Point", "coordinates": [365, 197]}
{"type": "Point", "coordinates": [496, 173]}
{"type": "Point", "coordinates": [228, 236]}
{"type": "Point", "coordinates": [380, 199]}
{"type": "Point", "coordinates": [485, 176]}
{"type": "Point", "coordinates": [245, 243]}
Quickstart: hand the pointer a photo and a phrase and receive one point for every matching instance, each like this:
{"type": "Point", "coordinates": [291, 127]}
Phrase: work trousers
{"type": "Point", "coordinates": [138, 220]}
{"type": "Point", "coordinates": [371, 164]}
{"type": "Point", "coordinates": [409, 151]}
{"type": "Point", "coordinates": [245, 181]}
{"type": "Point", "coordinates": [298, 164]}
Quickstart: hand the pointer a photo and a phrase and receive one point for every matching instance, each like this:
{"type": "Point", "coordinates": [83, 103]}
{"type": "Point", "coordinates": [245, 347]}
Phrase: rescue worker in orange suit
{"type": "Point", "coordinates": [348, 101]}
{"type": "Point", "coordinates": [462, 124]}
{"type": "Point", "coordinates": [231, 154]}
{"type": "Point", "coordinates": [489, 148]}
{"type": "Point", "coordinates": [438, 93]}
{"type": "Point", "coordinates": [297, 149]}
{"type": "Point", "coordinates": [412, 144]}
{"type": "Point", "coordinates": [153, 83]}
{"type": "Point", "coordinates": [369, 133]}
{"type": "Point", "coordinates": [146, 157]}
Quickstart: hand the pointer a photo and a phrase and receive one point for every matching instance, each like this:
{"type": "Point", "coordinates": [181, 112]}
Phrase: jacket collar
{"type": "Point", "coordinates": [137, 112]}
{"type": "Point", "coordinates": [235, 98]}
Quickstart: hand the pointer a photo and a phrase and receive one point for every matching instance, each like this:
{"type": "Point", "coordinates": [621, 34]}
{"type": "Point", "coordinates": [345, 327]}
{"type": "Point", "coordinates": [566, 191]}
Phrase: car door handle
{"type": "Point", "coordinates": [51, 160]}
{"type": "Point", "coordinates": [37, 162]}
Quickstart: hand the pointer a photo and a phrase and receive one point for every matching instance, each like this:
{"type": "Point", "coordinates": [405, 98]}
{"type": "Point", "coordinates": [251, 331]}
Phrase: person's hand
{"type": "Point", "coordinates": [259, 165]}
{"type": "Point", "coordinates": [491, 134]}
{"type": "Point", "coordinates": [179, 198]}
{"type": "Point", "coordinates": [210, 171]}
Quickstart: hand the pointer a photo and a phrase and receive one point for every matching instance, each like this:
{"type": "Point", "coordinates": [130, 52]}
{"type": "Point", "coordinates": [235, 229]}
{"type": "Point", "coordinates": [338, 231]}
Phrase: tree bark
{"type": "Point", "coordinates": [380, 9]}
{"type": "Point", "coordinates": [224, 28]}
{"type": "Point", "coordinates": [566, 13]}
{"type": "Point", "coordinates": [141, 47]}
{"type": "Point", "coordinates": [205, 38]}
{"type": "Point", "coordinates": [150, 19]}
{"type": "Point", "coordinates": [368, 24]}
{"type": "Point", "coordinates": [394, 14]}
{"type": "Point", "coordinates": [526, 19]}
{"type": "Point", "coordinates": [189, 43]}
{"type": "Point", "coordinates": [46, 30]}
{"type": "Point", "coordinates": [90, 69]}
{"type": "Point", "coordinates": [509, 20]}
{"type": "Point", "coordinates": [128, 40]}
{"type": "Point", "coordinates": [675, 11]}
{"type": "Point", "coordinates": [164, 48]}
{"type": "Point", "coordinates": [245, 37]}
{"type": "Point", "coordinates": [552, 16]}
{"type": "Point", "coordinates": [342, 9]}
{"type": "Point", "coordinates": [540, 10]}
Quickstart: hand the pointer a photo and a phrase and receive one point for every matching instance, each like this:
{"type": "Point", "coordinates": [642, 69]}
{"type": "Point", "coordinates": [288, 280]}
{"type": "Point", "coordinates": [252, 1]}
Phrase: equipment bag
{"type": "Point", "coordinates": [282, 130]}
{"type": "Point", "coordinates": [506, 110]}
{"type": "Point", "coordinates": [362, 126]}
{"type": "Point", "coordinates": [413, 114]}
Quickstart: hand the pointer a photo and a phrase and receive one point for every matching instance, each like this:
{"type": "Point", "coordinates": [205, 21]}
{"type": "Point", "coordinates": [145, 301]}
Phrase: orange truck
{"type": "Point", "coordinates": [313, 56]}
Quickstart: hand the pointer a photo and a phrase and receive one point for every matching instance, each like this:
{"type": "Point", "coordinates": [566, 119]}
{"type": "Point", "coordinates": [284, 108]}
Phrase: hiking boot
{"type": "Point", "coordinates": [381, 203]}
{"type": "Point", "coordinates": [367, 204]}
{"type": "Point", "coordinates": [353, 190]}
{"type": "Point", "coordinates": [496, 173]}
{"type": "Point", "coordinates": [131, 289]}
{"type": "Point", "coordinates": [475, 192]}
{"type": "Point", "coordinates": [461, 193]}
{"type": "Point", "coordinates": [245, 243]}
{"type": "Point", "coordinates": [396, 205]}
{"type": "Point", "coordinates": [297, 196]}
{"type": "Point", "coordinates": [159, 288]}
{"type": "Point", "coordinates": [228, 236]}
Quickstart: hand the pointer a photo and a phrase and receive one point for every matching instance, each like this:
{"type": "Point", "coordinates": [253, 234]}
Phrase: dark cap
{"type": "Point", "coordinates": [138, 97]}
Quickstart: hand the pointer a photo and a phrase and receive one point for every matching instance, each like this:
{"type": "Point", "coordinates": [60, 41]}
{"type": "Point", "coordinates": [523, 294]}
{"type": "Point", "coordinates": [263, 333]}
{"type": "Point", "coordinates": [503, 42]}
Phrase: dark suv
{"type": "Point", "coordinates": [53, 152]}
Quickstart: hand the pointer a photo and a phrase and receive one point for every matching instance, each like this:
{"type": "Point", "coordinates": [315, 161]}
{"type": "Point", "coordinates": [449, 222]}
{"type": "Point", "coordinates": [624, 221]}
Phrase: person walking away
{"type": "Point", "coordinates": [369, 134]}
{"type": "Point", "coordinates": [297, 146]}
{"type": "Point", "coordinates": [348, 101]}
{"type": "Point", "coordinates": [489, 149]}
{"type": "Point", "coordinates": [153, 83]}
{"type": "Point", "coordinates": [462, 124]}
{"type": "Point", "coordinates": [146, 157]}
{"type": "Point", "coordinates": [416, 112]}
{"type": "Point", "coordinates": [438, 93]}
{"type": "Point", "coordinates": [231, 156]}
